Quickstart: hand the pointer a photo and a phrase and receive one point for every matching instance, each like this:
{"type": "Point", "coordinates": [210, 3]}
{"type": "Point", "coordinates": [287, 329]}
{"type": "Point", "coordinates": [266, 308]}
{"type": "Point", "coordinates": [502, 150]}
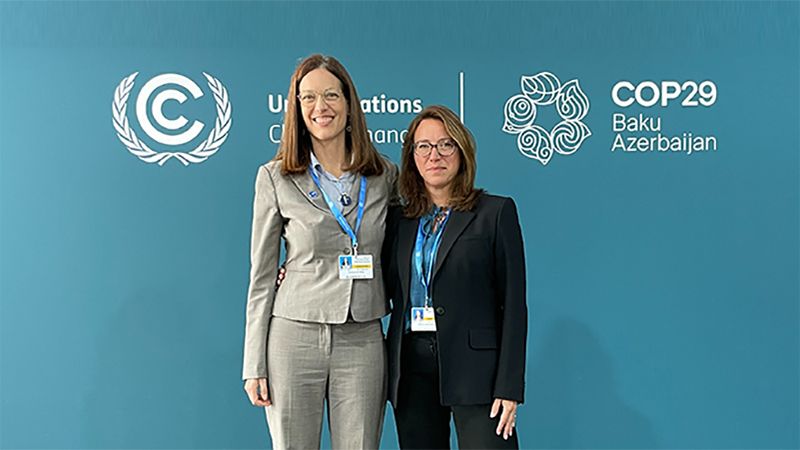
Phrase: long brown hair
{"type": "Point", "coordinates": [463, 195]}
{"type": "Point", "coordinates": [294, 150]}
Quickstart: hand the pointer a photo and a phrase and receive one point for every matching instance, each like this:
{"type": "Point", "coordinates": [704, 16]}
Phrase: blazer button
{"type": "Point", "coordinates": [440, 310]}
{"type": "Point", "coordinates": [347, 251]}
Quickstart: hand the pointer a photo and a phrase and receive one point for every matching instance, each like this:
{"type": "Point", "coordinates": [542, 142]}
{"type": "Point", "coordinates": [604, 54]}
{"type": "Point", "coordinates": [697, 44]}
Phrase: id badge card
{"type": "Point", "coordinates": [355, 267]}
{"type": "Point", "coordinates": [422, 319]}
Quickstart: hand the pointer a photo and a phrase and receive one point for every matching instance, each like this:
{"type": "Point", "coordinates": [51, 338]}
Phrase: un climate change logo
{"type": "Point", "coordinates": [128, 137]}
{"type": "Point", "coordinates": [566, 136]}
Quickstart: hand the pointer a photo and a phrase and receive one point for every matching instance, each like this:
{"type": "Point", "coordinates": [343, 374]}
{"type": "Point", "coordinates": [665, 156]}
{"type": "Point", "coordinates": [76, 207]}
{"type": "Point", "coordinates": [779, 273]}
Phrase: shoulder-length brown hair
{"type": "Point", "coordinates": [295, 148]}
{"type": "Point", "coordinates": [463, 195]}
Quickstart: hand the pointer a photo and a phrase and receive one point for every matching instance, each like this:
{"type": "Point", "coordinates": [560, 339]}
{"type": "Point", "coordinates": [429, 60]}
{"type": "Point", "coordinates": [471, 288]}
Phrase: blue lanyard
{"type": "Point", "coordinates": [425, 278]}
{"type": "Point", "coordinates": [362, 196]}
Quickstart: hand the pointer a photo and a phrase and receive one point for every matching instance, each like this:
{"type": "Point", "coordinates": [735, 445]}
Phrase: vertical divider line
{"type": "Point", "coordinates": [461, 96]}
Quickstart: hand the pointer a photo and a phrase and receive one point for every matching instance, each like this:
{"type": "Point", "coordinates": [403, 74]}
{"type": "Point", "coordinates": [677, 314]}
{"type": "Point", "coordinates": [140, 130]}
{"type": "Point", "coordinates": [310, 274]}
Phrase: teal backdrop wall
{"type": "Point", "coordinates": [663, 286]}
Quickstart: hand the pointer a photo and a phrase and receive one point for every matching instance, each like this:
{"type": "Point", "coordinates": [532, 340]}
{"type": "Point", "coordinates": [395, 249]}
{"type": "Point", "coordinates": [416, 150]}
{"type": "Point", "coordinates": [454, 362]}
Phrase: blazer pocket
{"type": "Point", "coordinates": [473, 242]}
{"type": "Point", "coordinates": [483, 338]}
{"type": "Point", "coordinates": [312, 267]}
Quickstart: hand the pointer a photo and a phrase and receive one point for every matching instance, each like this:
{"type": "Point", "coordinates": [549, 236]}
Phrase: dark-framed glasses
{"type": "Point", "coordinates": [330, 96]}
{"type": "Point", "coordinates": [445, 147]}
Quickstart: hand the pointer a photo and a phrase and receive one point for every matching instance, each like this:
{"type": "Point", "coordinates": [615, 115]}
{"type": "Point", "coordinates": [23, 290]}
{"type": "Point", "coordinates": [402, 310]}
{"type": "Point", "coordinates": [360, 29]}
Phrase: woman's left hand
{"type": "Point", "coordinates": [508, 419]}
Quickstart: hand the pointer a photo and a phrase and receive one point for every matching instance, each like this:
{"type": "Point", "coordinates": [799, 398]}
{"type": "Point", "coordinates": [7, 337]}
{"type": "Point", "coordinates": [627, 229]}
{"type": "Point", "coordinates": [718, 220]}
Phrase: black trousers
{"type": "Point", "coordinates": [422, 421]}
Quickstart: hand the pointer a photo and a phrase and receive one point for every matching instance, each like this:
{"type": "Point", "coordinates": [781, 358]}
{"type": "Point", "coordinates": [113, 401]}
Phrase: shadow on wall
{"type": "Point", "coordinates": [572, 400]}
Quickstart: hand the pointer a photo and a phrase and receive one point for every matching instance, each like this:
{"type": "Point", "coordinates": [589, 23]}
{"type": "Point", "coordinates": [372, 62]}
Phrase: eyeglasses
{"type": "Point", "coordinates": [309, 98]}
{"type": "Point", "coordinates": [445, 147]}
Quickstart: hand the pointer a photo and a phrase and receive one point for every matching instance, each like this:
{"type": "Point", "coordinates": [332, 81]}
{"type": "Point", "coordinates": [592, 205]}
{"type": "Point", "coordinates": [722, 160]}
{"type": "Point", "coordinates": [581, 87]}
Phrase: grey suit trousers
{"type": "Point", "coordinates": [311, 362]}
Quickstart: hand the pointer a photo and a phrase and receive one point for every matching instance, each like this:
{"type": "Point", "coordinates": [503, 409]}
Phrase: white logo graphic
{"type": "Point", "coordinates": [128, 137]}
{"type": "Point", "coordinates": [566, 136]}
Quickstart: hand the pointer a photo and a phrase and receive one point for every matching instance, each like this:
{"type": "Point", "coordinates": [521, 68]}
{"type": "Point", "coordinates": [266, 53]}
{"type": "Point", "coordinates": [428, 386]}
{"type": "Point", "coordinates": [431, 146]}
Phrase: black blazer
{"type": "Point", "coordinates": [478, 291]}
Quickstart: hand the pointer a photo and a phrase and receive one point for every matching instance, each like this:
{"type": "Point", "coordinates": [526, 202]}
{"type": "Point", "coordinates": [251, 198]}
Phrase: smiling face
{"type": "Point", "coordinates": [437, 171]}
{"type": "Point", "coordinates": [324, 119]}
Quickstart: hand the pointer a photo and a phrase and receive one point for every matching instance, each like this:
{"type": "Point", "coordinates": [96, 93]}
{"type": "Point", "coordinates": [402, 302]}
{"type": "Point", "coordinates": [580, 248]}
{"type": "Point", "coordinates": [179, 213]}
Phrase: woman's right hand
{"type": "Point", "coordinates": [279, 278]}
{"type": "Point", "coordinates": [257, 391]}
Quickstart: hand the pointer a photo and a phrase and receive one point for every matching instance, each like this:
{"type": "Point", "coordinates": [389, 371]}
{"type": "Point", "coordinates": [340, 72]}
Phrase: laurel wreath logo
{"type": "Point", "coordinates": [203, 151]}
{"type": "Point", "coordinates": [572, 105]}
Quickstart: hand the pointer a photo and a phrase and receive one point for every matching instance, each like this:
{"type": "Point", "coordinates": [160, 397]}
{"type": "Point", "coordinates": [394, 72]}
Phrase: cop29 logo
{"type": "Point", "coordinates": [202, 151]}
{"type": "Point", "coordinates": [520, 112]}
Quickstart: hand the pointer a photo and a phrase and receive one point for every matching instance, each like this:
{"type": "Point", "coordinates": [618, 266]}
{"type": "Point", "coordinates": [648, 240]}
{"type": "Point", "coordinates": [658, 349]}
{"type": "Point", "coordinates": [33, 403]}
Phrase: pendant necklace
{"type": "Point", "coordinates": [344, 199]}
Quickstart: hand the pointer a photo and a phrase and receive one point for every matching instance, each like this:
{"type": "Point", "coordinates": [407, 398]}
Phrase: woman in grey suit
{"type": "Point", "coordinates": [319, 337]}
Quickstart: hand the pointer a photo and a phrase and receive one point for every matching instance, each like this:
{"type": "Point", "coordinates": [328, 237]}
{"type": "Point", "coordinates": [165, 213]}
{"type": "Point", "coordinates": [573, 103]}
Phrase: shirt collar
{"type": "Point", "coordinates": [427, 219]}
{"type": "Point", "coordinates": [436, 210]}
{"type": "Point", "coordinates": [346, 176]}
{"type": "Point", "coordinates": [315, 163]}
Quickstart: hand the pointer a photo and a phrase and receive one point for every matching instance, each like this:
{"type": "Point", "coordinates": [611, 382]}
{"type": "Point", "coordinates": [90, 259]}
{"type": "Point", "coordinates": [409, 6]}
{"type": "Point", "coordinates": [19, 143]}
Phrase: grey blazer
{"type": "Point", "coordinates": [291, 207]}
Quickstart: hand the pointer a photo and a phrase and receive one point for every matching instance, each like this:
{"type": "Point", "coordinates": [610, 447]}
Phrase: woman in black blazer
{"type": "Point", "coordinates": [456, 277]}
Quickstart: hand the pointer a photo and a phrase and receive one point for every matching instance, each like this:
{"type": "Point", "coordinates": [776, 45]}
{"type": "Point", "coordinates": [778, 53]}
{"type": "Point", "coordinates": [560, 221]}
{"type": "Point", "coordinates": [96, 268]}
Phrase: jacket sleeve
{"type": "Point", "coordinates": [264, 254]}
{"type": "Point", "coordinates": [511, 295]}
{"type": "Point", "coordinates": [393, 215]}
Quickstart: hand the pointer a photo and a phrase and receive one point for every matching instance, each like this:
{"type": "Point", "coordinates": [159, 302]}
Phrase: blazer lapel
{"type": "Point", "coordinates": [309, 190]}
{"type": "Point", "coordinates": [406, 233]}
{"type": "Point", "coordinates": [456, 224]}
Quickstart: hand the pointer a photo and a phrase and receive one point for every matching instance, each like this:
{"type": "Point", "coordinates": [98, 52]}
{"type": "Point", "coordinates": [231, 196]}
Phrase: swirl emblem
{"type": "Point", "coordinates": [571, 104]}
{"type": "Point", "coordinates": [128, 137]}
{"type": "Point", "coordinates": [520, 112]}
{"type": "Point", "coordinates": [534, 142]}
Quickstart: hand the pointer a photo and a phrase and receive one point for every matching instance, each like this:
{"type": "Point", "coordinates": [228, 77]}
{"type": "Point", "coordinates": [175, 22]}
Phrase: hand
{"type": "Point", "coordinates": [257, 391]}
{"type": "Point", "coordinates": [279, 278]}
{"type": "Point", "coordinates": [508, 419]}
